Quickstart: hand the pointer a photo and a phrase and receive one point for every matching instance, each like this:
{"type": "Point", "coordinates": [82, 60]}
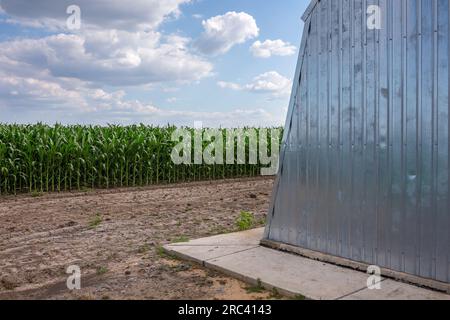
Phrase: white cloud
{"type": "Point", "coordinates": [108, 57]}
{"type": "Point", "coordinates": [118, 43]}
{"type": "Point", "coordinates": [52, 102]}
{"type": "Point", "coordinates": [223, 32]}
{"type": "Point", "coordinates": [270, 83]}
{"type": "Point", "coordinates": [229, 85]}
{"type": "Point", "coordinates": [270, 48]}
{"type": "Point", "coordinates": [32, 93]}
{"type": "Point", "coordinates": [82, 77]}
{"type": "Point", "coordinates": [111, 14]}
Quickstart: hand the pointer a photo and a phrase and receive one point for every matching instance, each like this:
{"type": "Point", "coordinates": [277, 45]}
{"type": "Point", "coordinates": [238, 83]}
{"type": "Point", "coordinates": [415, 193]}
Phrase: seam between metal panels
{"type": "Point", "coordinates": [390, 54]}
{"type": "Point", "coordinates": [364, 130]}
{"type": "Point", "coordinates": [404, 18]}
{"type": "Point", "coordinates": [329, 79]}
{"type": "Point", "coordinates": [419, 136]}
{"type": "Point", "coordinates": [351, 128]}
{"type": "Point", "coordinates": [448, 152]}
{"type": "Point", "coordinates": [434, 138]}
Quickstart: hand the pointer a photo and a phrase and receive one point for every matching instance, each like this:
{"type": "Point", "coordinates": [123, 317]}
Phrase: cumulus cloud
{"type": "Point", "coordinates": [82, 76]}
{"type": "Point", "coordinates": [50, 102]}
{"type": "Point", "coordinates": [270, 48]}
{"type": "Point", "coordinates": [223, 32]}
{"type": "Point", "coordinates": [269, 83]}
{"type": "Point", "coordinates": [109, 57]}
{"type": "Point", "coordinates": [112, 14]}
{"type": "Point", "coordinates": [118, 44]}
{"type": "Point", "coordinates": [32, 93]}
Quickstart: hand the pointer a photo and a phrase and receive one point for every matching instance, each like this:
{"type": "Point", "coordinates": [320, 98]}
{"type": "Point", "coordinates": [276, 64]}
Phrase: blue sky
{"type": "Point", "coordinates": [224, 62]}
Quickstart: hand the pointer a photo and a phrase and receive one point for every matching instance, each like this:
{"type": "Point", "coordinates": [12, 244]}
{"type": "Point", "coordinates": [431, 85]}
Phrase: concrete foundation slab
{"type": "Point", "coordinates": [246, 238]}
{"type": "Point", "coordinates": [203, 253]}
{"type": "Point", "coordinates": [394, 290]}
{"type": "Point", "coordinates": [240, 255]}
{"type": "Point", "coordinates": [290, 274]}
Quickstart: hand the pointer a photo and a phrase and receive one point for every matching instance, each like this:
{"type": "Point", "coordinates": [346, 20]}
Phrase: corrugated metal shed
{"type": "Point", "coordinates": [364, 171]}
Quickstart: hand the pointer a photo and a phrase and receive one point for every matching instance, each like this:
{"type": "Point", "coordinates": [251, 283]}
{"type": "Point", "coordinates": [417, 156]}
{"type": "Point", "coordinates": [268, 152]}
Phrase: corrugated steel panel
{"type": "Point", "coordinates": [364, 171]}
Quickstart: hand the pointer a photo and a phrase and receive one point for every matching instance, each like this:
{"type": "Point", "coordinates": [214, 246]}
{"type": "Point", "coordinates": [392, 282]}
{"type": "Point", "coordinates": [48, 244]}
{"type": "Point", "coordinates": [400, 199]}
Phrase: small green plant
{"type": "Point", "coordinates": [160, 251]}
{"type": "Point", "coordinates": [101, 271]}
{"type": "Point", "coordinates": [258, 288]}
{"type": "Point", "coordinates": [181, 239]}
{"type": "Point", "coordinates": [245, 221]}
{"type": "Point", "coordinates": [36, 194]}
{"type": "Point", "coordinates": [95, 222]}
{"type": "Point", "coordinates": [275, 294]}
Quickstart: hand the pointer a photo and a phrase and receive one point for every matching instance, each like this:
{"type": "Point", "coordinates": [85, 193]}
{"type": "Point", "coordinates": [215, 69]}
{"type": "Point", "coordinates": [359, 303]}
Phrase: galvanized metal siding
{"type": "Point", "coordinates": [364, 169]}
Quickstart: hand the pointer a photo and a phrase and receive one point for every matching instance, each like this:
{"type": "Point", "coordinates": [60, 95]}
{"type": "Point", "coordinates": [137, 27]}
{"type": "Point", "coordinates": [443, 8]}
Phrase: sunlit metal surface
{"type": "Point", "coordinates": [364, 169]}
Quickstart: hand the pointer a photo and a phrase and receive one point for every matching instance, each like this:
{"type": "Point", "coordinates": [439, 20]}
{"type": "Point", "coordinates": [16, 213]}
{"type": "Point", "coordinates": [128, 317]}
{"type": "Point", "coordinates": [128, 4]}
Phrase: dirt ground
{"type": "Point", "coordinates": [115, 238]}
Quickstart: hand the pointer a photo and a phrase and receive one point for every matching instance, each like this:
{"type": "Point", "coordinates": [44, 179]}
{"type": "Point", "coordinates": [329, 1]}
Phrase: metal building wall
{"type": "Point", "coordinates": [364, 171]}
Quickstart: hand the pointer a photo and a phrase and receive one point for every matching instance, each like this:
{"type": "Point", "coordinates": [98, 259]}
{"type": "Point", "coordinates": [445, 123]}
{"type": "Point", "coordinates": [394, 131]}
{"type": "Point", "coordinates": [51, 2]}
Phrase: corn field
{"type": "Point", "coordinates": [41, 158]}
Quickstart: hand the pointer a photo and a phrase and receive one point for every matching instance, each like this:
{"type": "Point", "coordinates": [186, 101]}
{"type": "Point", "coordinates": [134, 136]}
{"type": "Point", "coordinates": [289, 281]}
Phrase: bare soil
{"type": "Point", "coordinates": [115, 238]}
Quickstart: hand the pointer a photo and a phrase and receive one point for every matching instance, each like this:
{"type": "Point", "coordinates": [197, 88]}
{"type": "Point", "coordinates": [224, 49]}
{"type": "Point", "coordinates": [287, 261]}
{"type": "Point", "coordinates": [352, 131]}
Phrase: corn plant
{"type": "Point", "coordinates": [40, 158]}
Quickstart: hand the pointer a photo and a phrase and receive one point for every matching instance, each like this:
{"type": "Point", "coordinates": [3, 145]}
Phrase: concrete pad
{"type": "Point", "coordinates": [291, 274]}
{"type": "Point", "coordinates": [245, 238]}
{"type": "Point", "coordinates": [202, 253]}
{"type": "Point", "coordinates": [393, 290]}
{"type": "Point", "coordinates": [240, 255]}
{"type": "Point", "coordinates": [205, 249]}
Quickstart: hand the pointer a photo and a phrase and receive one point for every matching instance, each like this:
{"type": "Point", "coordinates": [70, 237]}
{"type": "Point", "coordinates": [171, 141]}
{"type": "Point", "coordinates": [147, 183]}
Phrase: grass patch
{"type": "Point", "coordinates": [95, 222]}
{"type": "Point", "coordinates": [258, 288]}
{"type": "Point", "coordinates": [36, 194]}
{"type": "Point", "coordinates": [275, 294]}
{"type": "Point", "coordinates": [163, 253]}
{"type": "Point", "coordinates": [181, 239]}
{"type": "Point", "coordinates": [245, 221]}
{"type": "Point", "coordinates": [101, 271]}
